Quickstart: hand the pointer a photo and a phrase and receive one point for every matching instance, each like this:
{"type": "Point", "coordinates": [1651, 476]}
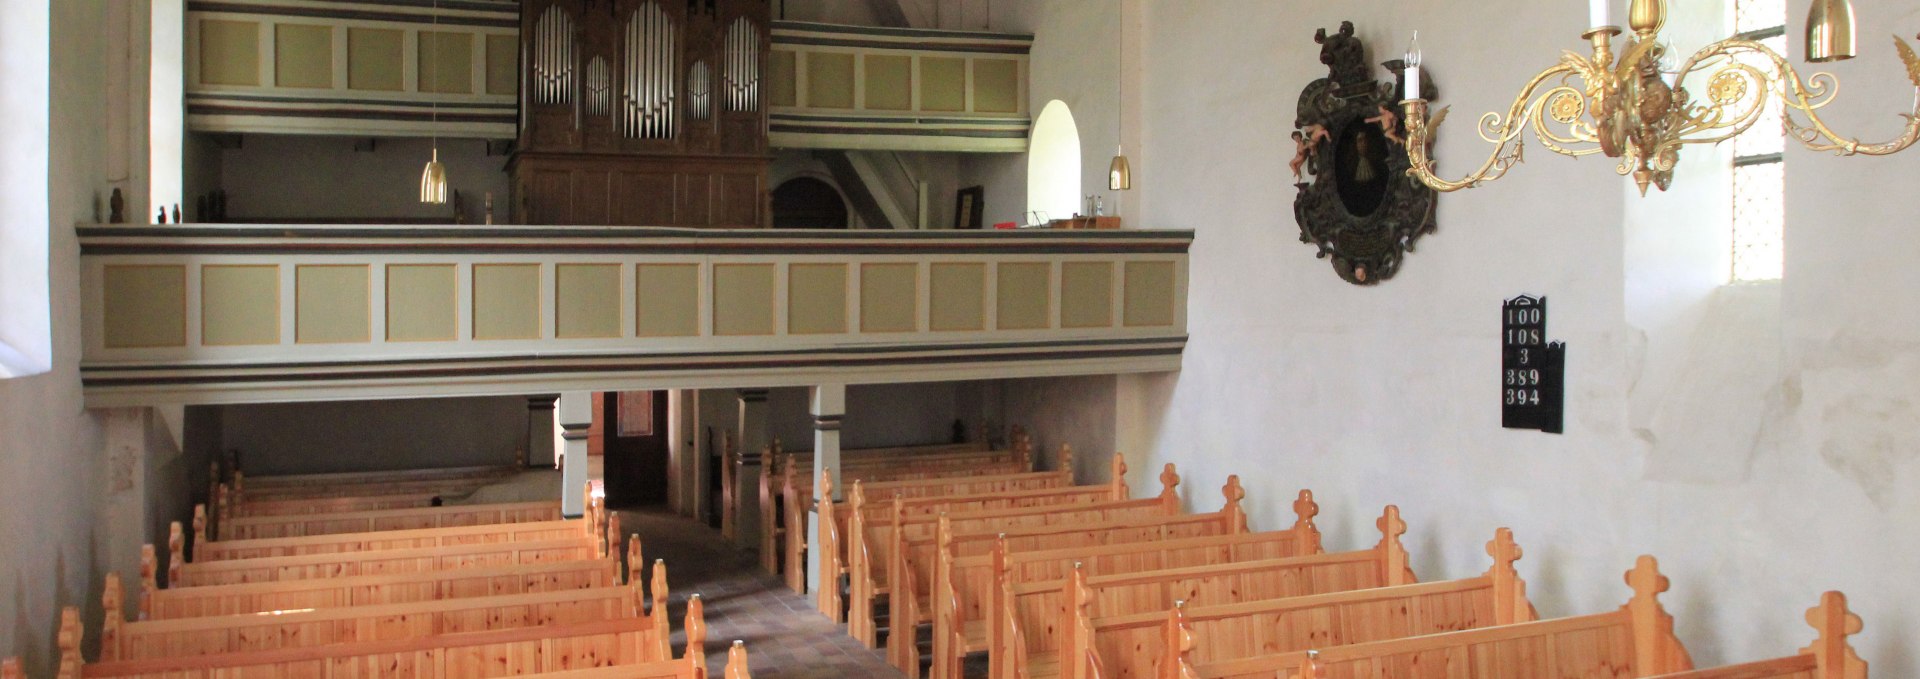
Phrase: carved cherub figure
{"type": "Point", "coordinates": [1301, 151]}
{"type": "Point", "coordinates": [1316, 133]}
{"type": "Point", "coordinates": [1389, 123]}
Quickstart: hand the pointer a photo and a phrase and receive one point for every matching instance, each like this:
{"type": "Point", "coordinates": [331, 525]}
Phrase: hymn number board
{"type": "Point", "coordinates": [1532, 370]}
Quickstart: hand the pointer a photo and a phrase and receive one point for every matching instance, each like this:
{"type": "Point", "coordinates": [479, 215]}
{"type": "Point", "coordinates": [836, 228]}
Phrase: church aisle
{"type": "Point", "coordinates": [786, 638]}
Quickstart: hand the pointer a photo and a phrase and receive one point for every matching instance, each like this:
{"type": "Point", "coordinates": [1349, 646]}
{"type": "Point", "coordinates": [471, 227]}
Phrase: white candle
{"type": "Point", "coordinates": [1413, 67]}
{"type": "Point", "coordinates": [1597, 15]}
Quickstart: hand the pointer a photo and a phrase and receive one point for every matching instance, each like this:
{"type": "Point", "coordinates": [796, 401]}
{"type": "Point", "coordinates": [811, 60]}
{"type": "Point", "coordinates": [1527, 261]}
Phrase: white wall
{"type": "Point", "coordinates": [345, 436]}
{"type": "Point", "coordinates": [25, 328]}
{"type": "Point", "coordinates": [50, 467]}
{"type": "Point", "coordinates": [1795, 471]}
{"type": "Point", "coordinates": [286, 177]}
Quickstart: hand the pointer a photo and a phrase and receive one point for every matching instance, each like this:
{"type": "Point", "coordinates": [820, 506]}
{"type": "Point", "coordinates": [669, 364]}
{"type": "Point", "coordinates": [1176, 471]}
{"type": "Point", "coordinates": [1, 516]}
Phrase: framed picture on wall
{"type": "Point", "coordinates": [966, 207]}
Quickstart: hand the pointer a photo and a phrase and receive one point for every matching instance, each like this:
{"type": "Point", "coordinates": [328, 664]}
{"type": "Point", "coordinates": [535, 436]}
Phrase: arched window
{"type": "Point", "coordinates": [808, 203]}
{"type": "Point", "coordinates": [1053, 163]}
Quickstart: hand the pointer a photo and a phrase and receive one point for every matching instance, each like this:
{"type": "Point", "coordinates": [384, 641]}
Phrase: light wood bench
{"type": "Point", "coordinates": [225, 550]}
{"type": "Point", "coordinates": [692, 665]}
{"type": "Point", "coordinates": [908, 612]}
{"type": "Point", "coordinates": [313, 627]}
{"type": "Point", "coordinates": [467, 655]}
{"type": "Point", "coordinates": [304, 486]}
{"type": "Point", "coordinates": [362, 521]}
{"type": "Point", "coordinates": [847, 529]}
{"type": "Point", "coordinates": [1268, 607]}
{"type": "Point", "coordinates": [1635, 641]}
{"type": "Point", "coordinates": [783, 549]}
{"type": "Point", "coordinates": [572, 546]}
{"type": "Point", "coordinates": [332, 505]}
{"type": "Point", "coordinates": [368, 590]}
{"type": "Point", "coordinates": [1830, 656]}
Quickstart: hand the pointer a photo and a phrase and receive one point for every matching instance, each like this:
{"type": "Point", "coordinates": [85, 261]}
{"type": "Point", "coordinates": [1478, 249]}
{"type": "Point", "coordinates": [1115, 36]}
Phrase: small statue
{"type": "Point", "coordinates": [1301, 151]}
{"type": "Point", "coordinates": [1317, 133]}
{"type": "Point", "coordinates": [162, 219]}
{"type": "Point", "coordinates": [1389, 123]}
{"type": "Point", "coordinates": [116, 208]}
{"type": "Point", "coordinates": [176, 214]}
{"type": "Point", "coordinates": [489, 208]}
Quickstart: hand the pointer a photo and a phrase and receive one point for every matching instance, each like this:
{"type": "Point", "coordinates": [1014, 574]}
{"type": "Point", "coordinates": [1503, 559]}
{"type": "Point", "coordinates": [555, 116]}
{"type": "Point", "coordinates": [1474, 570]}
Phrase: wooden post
{"type": "Point", "coordinates": [223, 516]}
{"type": "Point", "coordinates": [1509, 591]}
{"type": "Point", "coordinates": [696, 628]}
{"type": "Point", "coordinates": [176, 554]}
{"type": "Point", "coordinates": [737, 661]}
{"type": "Point", "coordinates": [213, 479]}
{"type": "Point", "coordinates": [899, 641]}
{"type": "Point", "coordinates": [860, 612]}
{"type": "Point", "coordinates": [1177, 657]}
{"type": "Point", "coordinates": [663, 627]}
{"type": "Point", "coordinates": [635, 561]}
{"type": "Point", "coordinates": [769, 549]}
{"type": "Point", "coordinates": [729, 485]}
{"type": "Point", "coordinates": [937, 594]}
{"type": "Point", "coordinates": [1235, 514]}
{"type": "Point", "coordinates": [827, 597]}
{"type": "Point", "coordinates": [69, 643]}
{"type": "Point", "coordinates": [199, 533]}
{"type": "Point", "coordinates": [1306, 536]}
{"type": "Point", "coordinates": [10, 669]}
{"type": "Point", "coordinates": [1169, 485]}
{"type": "Point", "coordinates": [1393, 554]}
{"type": "Point", "coordinates": [113, 606]}
{"type": "Point", "coordinates": [239, 492]}
{"type": "Point", "coordinates": [1655, 650]}
{"type": "Point", "coordinates": [1076, 637]}
{"type": "Point", "coordinates": [996, 632]}
{"type": "Point", "coordinates": [149, 580]}
{"type": "Point", "coordinates": [1311, 669]}
{"type": "Point", "coordinates": [795, 534]}
{"type": "Point", "coordinates": [1065, 460]}
{"type": "Point", "coordinates": [616, 535]}
{"type": "Point", "coordinates": [1834, 658]}
{"type": "Point", "coordinates": [1117, 479]}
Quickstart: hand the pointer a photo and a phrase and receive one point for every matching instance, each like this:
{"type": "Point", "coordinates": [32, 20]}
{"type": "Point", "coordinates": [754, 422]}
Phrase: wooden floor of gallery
{"type": "Point", "coordinates": [788, 637]}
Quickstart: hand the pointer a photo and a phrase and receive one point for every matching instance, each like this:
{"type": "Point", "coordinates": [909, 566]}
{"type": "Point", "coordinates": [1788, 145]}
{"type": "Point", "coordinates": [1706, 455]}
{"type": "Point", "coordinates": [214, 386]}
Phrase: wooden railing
{"type": "Point", "coordinates": [243, 313]}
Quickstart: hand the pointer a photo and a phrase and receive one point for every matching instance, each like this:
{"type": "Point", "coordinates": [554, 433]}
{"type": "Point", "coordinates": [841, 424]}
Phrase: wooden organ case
{"type": "Point", "coordinates": [643, 113]}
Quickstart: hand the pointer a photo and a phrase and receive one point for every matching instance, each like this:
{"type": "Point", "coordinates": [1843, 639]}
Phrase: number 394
{"type": "Point", "coordinates": [1523, 397]}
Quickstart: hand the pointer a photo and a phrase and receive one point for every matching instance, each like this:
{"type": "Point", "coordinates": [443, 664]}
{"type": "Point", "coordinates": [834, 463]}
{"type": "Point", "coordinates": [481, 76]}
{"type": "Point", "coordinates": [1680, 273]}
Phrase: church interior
{"type": "Point", "coordinates": [959, 339]}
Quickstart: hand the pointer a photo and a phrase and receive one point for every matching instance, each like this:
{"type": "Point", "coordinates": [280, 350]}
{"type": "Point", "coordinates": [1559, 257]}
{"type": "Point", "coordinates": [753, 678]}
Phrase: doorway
{"type": "Point", "coordinates": [808, 203]}
{"type": "Point", "coordinates": [637, 453]}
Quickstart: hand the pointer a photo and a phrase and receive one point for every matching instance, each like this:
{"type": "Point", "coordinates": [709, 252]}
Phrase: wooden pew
{"type": "Point", "coordinates": [297, 525]}
{"type": "Point", "coordinates": [733, 468]}
{"type": "Point", "coordinates": [693, 665]}
{"type": "Point", "coordinates": [907, 612]}
{"type": "Point", "coordinates": [368, 590]}
{"type": "Point", "coordinates": [629, 642]}
{"type": "Point", "coordinates": [867, 521]}
{"type": "Point", "coordinates": [917, 543]}
{"type": "Point", "coordinates": [1635, 641]}
{"type": "Point", "coordinates": [291, 486]}
{"type": "Point", "coordinates": [575, 546]}
{"type": "Point", "coordinates": [784, 547]}
{"type": "Point", "coordinates": [1830, 656]}
{"type": "Point", "coordinates": [391, 539]}
{"type": "Point", "coordinates": [331, 505]}
{"type": "Point", "coordinates": [1011, 589]}
{"type": "Point", "coordinates": [388, 521]}
{"type": "Point", "coordinates": [312, 627]}
{"type": "Point", "coordinates": [1271, 607]}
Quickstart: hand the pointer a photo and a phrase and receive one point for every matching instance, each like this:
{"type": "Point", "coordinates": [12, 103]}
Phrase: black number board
{"type": "Point", "coordinates": [1532, 369]}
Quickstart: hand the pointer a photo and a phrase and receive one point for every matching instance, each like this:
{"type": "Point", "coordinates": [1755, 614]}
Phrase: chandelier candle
{"type": "Point", "coordinates": [1598, 15]}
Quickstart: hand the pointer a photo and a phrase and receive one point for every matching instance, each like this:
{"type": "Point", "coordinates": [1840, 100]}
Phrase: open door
{"type": "Point", "coordinates": [634, 437]}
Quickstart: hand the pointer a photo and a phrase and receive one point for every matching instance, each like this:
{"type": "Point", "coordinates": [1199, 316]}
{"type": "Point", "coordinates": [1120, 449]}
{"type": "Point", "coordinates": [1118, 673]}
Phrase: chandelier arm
{"type": "Point", "coordinates": [1808, 96]}
{"type": "Point", "coordinates": [1502, 132]}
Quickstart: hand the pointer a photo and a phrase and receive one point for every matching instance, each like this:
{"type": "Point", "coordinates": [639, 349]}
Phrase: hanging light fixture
{"type": "Point", "coordinates": [1636, 109]}
{"type": "Point", "coordinates": [433, 180]}
{"type": "Point", "coordinates": [1119, 172]}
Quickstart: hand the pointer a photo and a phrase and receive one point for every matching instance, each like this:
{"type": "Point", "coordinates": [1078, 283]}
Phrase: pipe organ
{"type": "Point", "coordinates": [643, 113]}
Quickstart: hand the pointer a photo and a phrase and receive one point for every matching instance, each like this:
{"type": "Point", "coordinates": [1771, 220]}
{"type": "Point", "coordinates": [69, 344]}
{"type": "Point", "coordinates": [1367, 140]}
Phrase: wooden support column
{"type": "Point", "coordinates": [753, 440]}
{"type": "Point", "coordinates": [829, 406]}
{"type": "Point", "coordinates": [542, 450]}
{"type": "Point", "coordinates": [572, 416]}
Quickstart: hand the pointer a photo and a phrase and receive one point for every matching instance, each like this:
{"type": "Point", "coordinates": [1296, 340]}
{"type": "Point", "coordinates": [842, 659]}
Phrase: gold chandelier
{"type": "Point", "coordinates": [1630, 109]}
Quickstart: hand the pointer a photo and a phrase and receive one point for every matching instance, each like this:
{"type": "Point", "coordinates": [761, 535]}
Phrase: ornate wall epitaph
{"type": "Point", "coordinates": [1361, 209]}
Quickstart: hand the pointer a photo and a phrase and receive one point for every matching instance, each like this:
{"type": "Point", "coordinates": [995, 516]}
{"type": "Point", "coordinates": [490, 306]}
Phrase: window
{"type": "Point", "coordinates": [1053, 164]}
{"type": "Point", "coordinates": [1759, 174]}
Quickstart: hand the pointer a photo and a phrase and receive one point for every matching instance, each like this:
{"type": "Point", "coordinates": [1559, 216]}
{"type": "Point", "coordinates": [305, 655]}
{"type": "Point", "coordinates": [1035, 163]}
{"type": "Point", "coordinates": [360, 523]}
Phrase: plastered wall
{"type": "Point", "coordinates": [1759, 440]}
{"type": "Point", "coordinates": [317, 438]}
{"type": "Point", "coordinates": [330, 180]}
